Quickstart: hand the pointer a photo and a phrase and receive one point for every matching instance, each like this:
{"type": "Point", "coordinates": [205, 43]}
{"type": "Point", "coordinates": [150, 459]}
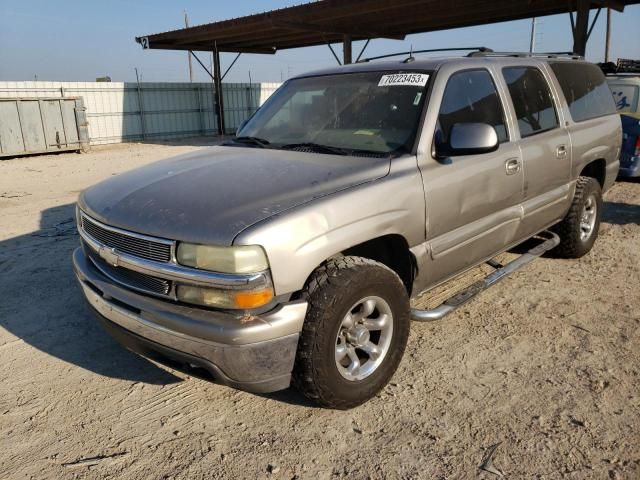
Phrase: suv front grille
{"type": "Point", "coordinates": [131, 244]}
{"type": "Point", "coordinates": [129, 278]}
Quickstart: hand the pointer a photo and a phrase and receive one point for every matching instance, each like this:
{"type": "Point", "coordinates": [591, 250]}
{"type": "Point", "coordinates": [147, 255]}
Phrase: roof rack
{"type": "Point", "coordinates": [624, 66]}
{"type": "Point", "coordinates": [431, 50]}
{"type": "Point", "coordinates": [628, 66]}
{"type": "Point", "coordinates": [480, 52]}
{"type": "Point", "coordinates": [571, 55]}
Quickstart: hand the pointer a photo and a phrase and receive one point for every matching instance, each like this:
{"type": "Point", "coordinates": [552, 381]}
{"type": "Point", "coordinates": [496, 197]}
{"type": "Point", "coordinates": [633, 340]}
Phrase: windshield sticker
{"type": "Point", "coordinates": [416, 101]}
{"type": "Point", "coordinates": [404, 79]}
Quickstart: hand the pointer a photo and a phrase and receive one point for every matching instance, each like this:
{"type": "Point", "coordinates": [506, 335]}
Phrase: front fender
{"type": "Point", "coordinates": [297, 241]}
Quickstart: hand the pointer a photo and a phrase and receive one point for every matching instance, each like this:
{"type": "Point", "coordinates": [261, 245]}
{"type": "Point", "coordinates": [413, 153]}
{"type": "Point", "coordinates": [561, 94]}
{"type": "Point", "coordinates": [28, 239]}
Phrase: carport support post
{"type": "Point", "coordinates": [346, 49]}
{"type": "Point", "coordinates": [218, 103]}
{"type": "Point", "coordinates": [580, 33]}
{"type": "Point", "coordinates": [608, 37]}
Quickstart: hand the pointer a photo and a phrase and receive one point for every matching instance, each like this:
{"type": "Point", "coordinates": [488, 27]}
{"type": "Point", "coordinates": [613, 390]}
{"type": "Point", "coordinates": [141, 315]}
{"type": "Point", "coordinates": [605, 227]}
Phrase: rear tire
{"type": "Point", "coordinates": [579, 228]}
{"type": "Point", "coordinates": [355, 332]}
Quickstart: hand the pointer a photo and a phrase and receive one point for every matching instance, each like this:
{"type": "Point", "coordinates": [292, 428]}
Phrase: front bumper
{"type": "Point", "coordinates": [250, 353]}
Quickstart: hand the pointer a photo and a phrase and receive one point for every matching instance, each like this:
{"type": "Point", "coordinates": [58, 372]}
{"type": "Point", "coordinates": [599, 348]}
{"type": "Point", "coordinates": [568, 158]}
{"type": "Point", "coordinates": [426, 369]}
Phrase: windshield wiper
{"type": "Point", "coordinates": [256, 141]}
{"type": "Point", "coordinates": [361, 152]}
{"type": "Point", "coordinates": [315, 146]}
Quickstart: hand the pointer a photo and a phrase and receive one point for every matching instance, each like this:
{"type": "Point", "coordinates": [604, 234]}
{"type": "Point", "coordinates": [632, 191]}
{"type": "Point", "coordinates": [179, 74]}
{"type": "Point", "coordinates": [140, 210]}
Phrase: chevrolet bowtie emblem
{"type": "Point", "coordinates": [109, 255]}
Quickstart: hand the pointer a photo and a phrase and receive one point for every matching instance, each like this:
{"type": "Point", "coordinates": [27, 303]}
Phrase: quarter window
{"type": "Point", "coordinates": [585, 88]}
{"type": "Point", "coordinates": [471, 97]}
{"type": "Point", "coordinates": [532, 100]}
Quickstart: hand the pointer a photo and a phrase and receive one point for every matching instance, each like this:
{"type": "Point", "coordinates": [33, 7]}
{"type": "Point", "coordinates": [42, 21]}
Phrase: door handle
{"type": "Point", "coordinates": [512, 166]}
{"type": "Point", "coordinates": [561, 151]}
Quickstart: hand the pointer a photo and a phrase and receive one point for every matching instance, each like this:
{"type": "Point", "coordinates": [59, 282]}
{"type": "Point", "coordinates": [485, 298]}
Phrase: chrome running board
{"type": "Point", "coordinates": [548, 241]}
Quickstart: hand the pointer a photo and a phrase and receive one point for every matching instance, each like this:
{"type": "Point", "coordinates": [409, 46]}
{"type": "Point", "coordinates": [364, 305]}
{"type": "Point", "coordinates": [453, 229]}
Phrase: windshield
{"type": "Point", "coordinates": [374, 112]}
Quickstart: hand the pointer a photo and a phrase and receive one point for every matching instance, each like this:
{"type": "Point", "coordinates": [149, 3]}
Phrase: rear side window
{"type": "Point", "coordinates": [532, 100]}
{"type": "Point", "coordinates": [585, 88]}
{"type": "Point", "coordinates": [471, 97]}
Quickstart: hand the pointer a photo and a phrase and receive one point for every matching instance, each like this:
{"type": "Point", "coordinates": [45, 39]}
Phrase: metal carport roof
{"type": "Point", "coordinates": [329, 21]}
{"type": "Point", "coordinates": [332, 21]}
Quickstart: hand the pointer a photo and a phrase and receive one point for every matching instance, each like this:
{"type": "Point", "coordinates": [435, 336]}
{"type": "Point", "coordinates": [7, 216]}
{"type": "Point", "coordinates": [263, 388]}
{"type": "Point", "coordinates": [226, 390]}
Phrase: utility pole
{"type": "Point", "coordinates": [186, 24]}
{"type": "Point", "coordinates": [532, 42]}
{"type": "Point", "coordinates": [608, 38]}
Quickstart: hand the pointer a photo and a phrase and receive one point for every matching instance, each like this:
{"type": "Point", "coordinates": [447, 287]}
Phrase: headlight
{"type": "Point", "coordinates": [232, 299]}
{"type": "Point", "coordinates": [240, 259]}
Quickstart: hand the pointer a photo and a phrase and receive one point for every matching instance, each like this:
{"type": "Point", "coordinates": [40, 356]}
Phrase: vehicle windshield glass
{"type": "Point", "coordinates": [373, 111]}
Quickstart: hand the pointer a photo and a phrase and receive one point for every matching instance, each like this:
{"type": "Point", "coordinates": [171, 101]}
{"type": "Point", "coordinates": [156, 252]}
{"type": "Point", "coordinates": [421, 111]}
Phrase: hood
{"type": "Point", "coordinates": [211, 195]}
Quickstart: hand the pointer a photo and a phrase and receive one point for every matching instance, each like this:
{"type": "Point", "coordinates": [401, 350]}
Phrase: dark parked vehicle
{"type": "Point", "coordinates": [625, 88]}
{"type": "Point", "coordinates": [626, 93]}
{"type": "Point", "coordinates": [630, 156]}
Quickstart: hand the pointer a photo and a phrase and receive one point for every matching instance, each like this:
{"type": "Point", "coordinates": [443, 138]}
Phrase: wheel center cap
{"type": "Point", "coordinates": [358, 336]}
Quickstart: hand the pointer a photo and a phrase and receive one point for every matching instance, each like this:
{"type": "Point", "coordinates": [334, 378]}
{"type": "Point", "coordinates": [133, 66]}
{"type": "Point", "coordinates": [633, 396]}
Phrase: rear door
{"type": "Point", "coordinates": [545, 146]}
{"type": "Point", "coordinates": [592, 121]}
{"type": "Point", "coordinates": [472, 201]}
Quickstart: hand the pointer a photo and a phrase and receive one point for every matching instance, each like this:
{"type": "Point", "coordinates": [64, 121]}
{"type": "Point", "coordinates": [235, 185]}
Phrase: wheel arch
{"type": "Point", "coordinates": [596, 169]}
{"type": "Point", "coordinates": [391, 250]}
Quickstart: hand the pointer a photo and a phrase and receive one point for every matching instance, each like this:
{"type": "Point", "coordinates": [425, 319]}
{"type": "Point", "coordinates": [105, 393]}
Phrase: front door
{"type": "Point", "coordinates": [473, 201]}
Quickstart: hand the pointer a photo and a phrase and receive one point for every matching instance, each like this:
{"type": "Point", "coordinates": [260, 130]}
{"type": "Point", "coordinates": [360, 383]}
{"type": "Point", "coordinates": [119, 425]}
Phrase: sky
{"type": "Point", "coordinates": [79, 40]}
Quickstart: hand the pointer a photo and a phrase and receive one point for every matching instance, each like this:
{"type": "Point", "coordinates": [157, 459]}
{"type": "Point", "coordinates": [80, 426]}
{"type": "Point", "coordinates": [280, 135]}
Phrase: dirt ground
{"type": "Point", "coordinates": [546, 366]}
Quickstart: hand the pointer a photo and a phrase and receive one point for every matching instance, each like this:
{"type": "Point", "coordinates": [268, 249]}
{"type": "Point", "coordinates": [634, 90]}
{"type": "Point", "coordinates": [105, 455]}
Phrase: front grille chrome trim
{"type": "Point", "coordinates": [178, 273]}
{"type": "Point", "coordinates": [169, 295]}
{"type": "Point", "coordinates": [136, 244]}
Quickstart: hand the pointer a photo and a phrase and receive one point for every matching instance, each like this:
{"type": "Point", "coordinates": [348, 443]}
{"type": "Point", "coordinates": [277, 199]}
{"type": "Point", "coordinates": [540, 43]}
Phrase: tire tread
{"type": "Point", "coordinates": [320, 292]}
{"type": "Point", "coordinates": [570, 244]}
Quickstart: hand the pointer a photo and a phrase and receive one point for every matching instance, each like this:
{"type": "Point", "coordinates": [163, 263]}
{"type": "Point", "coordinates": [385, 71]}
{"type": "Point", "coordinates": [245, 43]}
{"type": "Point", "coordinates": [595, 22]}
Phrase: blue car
{"type": "Point", "coordinates": [626, 93]}
{"type": "Point", "coordinates": [630, 156]}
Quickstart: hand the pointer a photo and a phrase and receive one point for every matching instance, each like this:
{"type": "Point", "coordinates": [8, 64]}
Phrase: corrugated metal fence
{"type": "Point", "coordinates": [122, 111]}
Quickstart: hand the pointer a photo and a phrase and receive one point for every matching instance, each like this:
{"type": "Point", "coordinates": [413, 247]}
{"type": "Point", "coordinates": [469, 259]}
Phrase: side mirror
{"type": "Point", "coordinates": [241, 126]}
{"type": "Point", "coordinates": [468, 139]}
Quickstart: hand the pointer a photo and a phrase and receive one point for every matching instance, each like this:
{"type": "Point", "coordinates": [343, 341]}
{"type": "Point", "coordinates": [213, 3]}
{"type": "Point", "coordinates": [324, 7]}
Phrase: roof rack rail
{"type": "Point", "coordinates": [431, 50]}
{"type": "Point", "coordinates": [626, 65]}
{"type": "Point", "coordinates": [623, 67]}
{"type": "Point", "coordinates": [572, 55]}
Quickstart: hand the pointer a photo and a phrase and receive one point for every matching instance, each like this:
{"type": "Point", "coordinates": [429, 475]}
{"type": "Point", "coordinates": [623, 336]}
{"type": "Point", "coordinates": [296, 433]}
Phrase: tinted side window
{"type": "Point", "coordinates": [471, 97]}
{"type": "Point", "coordinates": [585, 88]}
{"type": "Point", "coordinates": [532, 100]}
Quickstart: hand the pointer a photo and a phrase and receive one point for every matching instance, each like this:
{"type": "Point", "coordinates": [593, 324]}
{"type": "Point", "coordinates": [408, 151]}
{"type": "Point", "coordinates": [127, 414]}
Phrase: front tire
{"type": "Point", "coordinates": [579, 229]}
{"type": "Point", "coordinates": [355, 332]}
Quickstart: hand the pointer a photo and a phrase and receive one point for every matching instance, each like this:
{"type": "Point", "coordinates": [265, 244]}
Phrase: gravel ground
{"type": "Point", "coordinates": [545, 366]}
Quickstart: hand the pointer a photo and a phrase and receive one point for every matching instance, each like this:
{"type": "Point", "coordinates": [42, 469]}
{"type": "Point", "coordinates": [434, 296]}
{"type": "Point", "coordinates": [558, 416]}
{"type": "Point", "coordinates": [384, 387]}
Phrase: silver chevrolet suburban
{"type": "Point", "coordinates": [290, 253]}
